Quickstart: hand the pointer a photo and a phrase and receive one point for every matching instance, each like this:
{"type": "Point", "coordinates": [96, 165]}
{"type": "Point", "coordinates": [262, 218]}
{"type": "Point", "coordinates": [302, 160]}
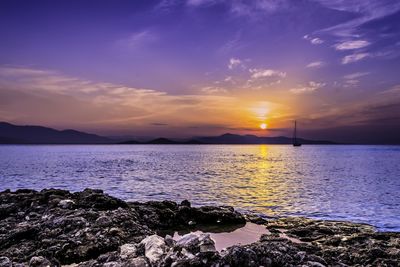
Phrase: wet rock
{"type": "Point", "coordinates": [169, 215]}
{"type": "Point", "coordinates": [89, 229]}
{"type": "Point", "coordinates": [185, 203]}
{"type": "Point", "coordinates": [206, 244]}
{"type": "Point", "coordinates": [195, 243]}
{"type": "Point", "coordinates": [190, 242]}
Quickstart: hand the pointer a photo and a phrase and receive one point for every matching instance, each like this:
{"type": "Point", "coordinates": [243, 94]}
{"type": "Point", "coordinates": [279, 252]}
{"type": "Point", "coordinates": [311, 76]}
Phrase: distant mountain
{"type": "Point", "coordinates": [253, 139]}
{"type": "Point", "coordinates": [14, 134]}
{"type": "Point", "coordinates": [162, 141]}
{"type": "Point", "coordinates": [130, 142]}
{"type": "Point", "coordinates": [232, 139]}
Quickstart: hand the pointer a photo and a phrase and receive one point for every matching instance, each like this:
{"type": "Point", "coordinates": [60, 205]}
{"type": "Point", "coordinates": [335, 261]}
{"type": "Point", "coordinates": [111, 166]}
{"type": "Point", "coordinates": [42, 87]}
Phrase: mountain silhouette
{"type": "Point", "coordinates": [14, 134]}
{"type": "Point", "coordinates": [229, 138]}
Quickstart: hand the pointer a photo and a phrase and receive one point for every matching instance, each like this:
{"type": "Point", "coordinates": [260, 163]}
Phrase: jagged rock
{"type": "Point", "coordinates": [112, 264]}
{"type": "Point", "coordinates": [91, 229]}
{"type": "Point", "coordinates": [206, 243]}
{"type": "Point", "coordinates": [39, 262]}
{"type": "Point", "coordinates": [169, 241]}
{"type": "Point", "coordinates": [5, 262]}
{"type": "Point", "coordinates": [66, 203]}
{"type": "Point", "coordinates": [186, 203]}
{"type": "Point", "coordinates": [104, 221]}
{"type": "Point", "coordinates": [154, 248]}
{"type": "Point", "coordinates": [128, 251]}
{"type": "Point", "coordinates": [195, 243]}
{"type": "Point", "coordinates": [136, 262]}
{"type": "Point", "coordinates": [190, 242]}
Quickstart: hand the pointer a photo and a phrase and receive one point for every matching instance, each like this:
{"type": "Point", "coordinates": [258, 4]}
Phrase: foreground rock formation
{"type": "Point", "coordinates": [90, 228]}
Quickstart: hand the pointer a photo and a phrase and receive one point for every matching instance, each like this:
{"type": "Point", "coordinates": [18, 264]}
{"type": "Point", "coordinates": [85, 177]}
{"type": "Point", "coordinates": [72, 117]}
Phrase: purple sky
{"type": "Point", "coordinates": [203, 67]}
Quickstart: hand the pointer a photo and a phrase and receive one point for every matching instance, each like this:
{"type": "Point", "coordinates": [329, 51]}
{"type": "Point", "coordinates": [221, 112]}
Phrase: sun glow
{"type": "Point", "coordinates": [263, 126]}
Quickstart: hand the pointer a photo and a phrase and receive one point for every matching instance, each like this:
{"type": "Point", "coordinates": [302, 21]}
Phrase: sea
{"type": "Point", "coordinates": [359, 183]}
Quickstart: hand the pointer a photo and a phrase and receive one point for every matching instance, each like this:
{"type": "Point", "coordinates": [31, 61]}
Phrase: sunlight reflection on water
{"type": "Point", "coordinates": [359, 183]}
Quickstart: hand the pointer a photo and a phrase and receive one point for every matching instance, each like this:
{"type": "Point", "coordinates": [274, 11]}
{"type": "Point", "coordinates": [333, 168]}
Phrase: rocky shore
{"type": "Point", "coordinates": [89, 228]}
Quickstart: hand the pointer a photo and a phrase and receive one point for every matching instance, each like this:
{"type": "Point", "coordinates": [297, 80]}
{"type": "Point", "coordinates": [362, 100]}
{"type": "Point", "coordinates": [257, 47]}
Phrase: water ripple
{"type": "Point", "coordinates": [358, 183]}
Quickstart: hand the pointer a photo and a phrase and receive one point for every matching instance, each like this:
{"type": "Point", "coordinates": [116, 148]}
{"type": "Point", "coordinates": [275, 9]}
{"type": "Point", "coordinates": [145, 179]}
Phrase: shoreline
{"type": "Point", "coordinates": [55, 227]}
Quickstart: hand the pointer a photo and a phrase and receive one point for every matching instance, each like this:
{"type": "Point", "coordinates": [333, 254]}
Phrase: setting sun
{"type": "Point", "coordinates": [263, 126]}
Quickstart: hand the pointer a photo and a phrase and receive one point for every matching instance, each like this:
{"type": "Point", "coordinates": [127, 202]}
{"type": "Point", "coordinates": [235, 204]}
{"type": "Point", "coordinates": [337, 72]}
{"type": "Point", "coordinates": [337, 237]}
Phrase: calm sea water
{"type": "Point", "coordinates": [357, 183]}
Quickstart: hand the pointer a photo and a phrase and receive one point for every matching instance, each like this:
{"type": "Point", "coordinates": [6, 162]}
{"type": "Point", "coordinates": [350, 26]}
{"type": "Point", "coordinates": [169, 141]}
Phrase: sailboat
{"type": "Point", "coordinates": [295, 141]}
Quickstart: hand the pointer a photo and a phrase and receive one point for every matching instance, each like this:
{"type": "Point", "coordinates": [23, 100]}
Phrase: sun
{"type": "Point", "coordinates": [263, 126]}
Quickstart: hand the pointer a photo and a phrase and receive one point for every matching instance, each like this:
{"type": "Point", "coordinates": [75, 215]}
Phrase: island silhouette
{"type": "Point", "coordinates": [18, 134]}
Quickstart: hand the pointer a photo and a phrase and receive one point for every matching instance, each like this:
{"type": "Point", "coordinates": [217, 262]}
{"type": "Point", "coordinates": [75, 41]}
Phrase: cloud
{"type": "Point", "coordinates": [351, 83]}
{"type": "Point", "coordinates": [316, 64]}
{"type": "Point", "coordinates": [311, 87]}
{"type": "Point", "coordinates": [314, 41]}
{"type": "Point", "coordinates": [355, 75]}
{"type": "Point", "coordinates": [364, 11]}
{"type": "Point", "coordinates": [50, 98]}
{"type": "Point", "coordinates": [233, 44]}
{"type": "Point", "coordinates": [202, 2]}
{"type": "Point", "coordinates": [167, 5]}
{"type": "Point", "coordinates": [354, 58]}
{"type": "Point", "coordinates": [352, 80]}
{"type": "Point", "coordinates": [266, 73]}
{"type": "Point", "coordinates": [350, 45]}
{"type": "Point", "coordinates": [241, 8]}
{"type": "Point", "coordinates": [256, 7]}
{"type": "Point", "coordinates": [229, 79]}
{"type": "Point", "coordinates": [393, 90]}
{"type": "Point", "coordinates": [138, 39]}
{"type": "Point", "coordinates": [214, 90]}
{"type": "Point", "coordinates": [234, 62]}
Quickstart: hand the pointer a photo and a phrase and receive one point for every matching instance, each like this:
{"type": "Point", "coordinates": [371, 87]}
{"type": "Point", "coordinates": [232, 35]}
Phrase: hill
{"type": "Point", "coordinates": [15, 134]}
{"type": "Point", "coordinates": [232, 139]}
{"type": "Point", "coordinates": [253, 139]}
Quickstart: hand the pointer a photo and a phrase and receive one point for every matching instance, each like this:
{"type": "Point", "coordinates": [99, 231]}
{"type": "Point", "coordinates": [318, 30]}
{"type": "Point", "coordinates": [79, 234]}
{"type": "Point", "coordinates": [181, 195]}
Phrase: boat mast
{"type": "Point", "coordinates": [295, 132]}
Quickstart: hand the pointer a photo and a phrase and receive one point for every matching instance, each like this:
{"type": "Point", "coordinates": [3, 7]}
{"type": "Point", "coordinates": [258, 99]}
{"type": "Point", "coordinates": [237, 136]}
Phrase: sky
{"type": "Point", "coordinates": [183, 68]}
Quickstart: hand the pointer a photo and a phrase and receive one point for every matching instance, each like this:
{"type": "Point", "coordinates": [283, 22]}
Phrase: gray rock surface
{"type": "Point", "coordinates": [90, 229]}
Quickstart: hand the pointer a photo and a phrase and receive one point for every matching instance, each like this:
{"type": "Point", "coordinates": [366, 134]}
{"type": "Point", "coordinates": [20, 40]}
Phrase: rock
{"type": "Point", "coordinates": [169, 241]}
{"type": "Point", "coordinates": [112, 264]}
{"type": "Point", "coordinates": [39, 261]}
{"type": "Point", "coordinates": [190, 242]}
{"type": "Point", "coordinates": [136, 262]}
{"type": "Point", "coordinates": [315, 264]}
{"type": "Point", "coordinates": [91, 229]}
{"type": "Point", "coordinates": [128, 251]}
{"type": "Point", "coordinates": [154, 248]}
{"type": "Point", "coordinates": [186, 203]}
{"type": "Point", "coordinates": [5, 262]}
{"type": "Point", "coordinates": [195, 243]}
{"type": "Point", "coordinates": [103, 221]}
{"type": "Point", "coordinates": [206, 243]}
{"type": "Point", "coordinates": [66, 203]}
